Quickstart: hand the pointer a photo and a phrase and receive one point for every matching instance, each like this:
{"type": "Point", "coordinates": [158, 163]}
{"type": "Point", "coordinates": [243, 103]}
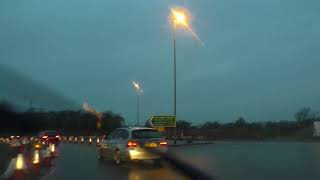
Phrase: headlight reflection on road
{"type": "Point", "coordinates": [134, 153]}
{"type": "Point", "coordinates": [151, 172]}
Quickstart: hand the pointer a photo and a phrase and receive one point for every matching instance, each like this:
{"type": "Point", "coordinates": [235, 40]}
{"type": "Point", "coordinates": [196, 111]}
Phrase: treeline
{"type": "Point", "coordinates": [80, 122]}
{"type": "Point", "coordinates": [301, 127]}
{"type": "Point", "coordinates": [66, 122]}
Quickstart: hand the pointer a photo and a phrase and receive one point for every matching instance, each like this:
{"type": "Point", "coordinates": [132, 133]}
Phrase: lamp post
{"type": "Point", "coordinates": [180, 19]}
{"type": "Point", "coordinates": [139, 91]}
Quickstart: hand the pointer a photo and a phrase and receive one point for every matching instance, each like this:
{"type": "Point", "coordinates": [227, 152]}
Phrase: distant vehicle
{"type": "Point", "coordinates": [126, 144]}
{"type": "Point", "coordinates": [47, 137]}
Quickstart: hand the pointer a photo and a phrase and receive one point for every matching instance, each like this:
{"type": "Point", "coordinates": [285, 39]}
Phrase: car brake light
{"type": "Point", "coordinates": [131, 144]}
{"type": "Point", "coordinates": [44, 137]}
{"type": "Point", "coordinates": [164, 143]}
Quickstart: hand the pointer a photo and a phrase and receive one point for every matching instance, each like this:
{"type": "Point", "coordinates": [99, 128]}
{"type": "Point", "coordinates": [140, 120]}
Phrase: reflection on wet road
{"type": "Point", "coordinates": [225, 160]}
{"type": "Point", "coordinates": [81, 162]}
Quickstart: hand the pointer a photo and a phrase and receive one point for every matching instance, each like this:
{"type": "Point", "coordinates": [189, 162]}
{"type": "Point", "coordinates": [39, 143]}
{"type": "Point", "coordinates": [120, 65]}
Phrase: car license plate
{"type": "Point", "coordinates": [150, 145]}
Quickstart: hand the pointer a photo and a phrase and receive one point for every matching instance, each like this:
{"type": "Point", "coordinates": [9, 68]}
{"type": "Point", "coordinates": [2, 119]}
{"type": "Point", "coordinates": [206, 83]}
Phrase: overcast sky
{"type": "Point", "coordinates": [261, 58]}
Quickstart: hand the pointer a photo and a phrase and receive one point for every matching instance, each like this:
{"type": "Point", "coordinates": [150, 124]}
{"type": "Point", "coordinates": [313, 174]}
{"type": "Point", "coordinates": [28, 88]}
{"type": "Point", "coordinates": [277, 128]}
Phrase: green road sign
{"type": "Point", "coordinates": [163, 121]}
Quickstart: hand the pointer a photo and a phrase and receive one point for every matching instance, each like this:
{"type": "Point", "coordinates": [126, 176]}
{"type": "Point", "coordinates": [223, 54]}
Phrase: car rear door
{"type": "Point", "coordinates": [109, 144]}
{"type": "Point", "coordinates": [122, 141]}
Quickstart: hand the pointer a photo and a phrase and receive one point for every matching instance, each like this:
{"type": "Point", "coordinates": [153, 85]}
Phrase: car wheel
{"type": "Point", "coordinates": [116, 157]}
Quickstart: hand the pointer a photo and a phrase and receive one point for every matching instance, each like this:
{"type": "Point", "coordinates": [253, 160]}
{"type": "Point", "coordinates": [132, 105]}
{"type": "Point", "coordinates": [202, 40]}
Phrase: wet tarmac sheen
{"type": "Point", "coordinates": [225, 160]}
{"type": "Point", "coordinates": [81, 162]}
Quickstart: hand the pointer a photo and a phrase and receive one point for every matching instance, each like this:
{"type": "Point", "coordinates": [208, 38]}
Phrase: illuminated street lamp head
{"type": "Point", "coordinates": [137, 87]}
{"type": "Point", "coordinates": [180, 17]}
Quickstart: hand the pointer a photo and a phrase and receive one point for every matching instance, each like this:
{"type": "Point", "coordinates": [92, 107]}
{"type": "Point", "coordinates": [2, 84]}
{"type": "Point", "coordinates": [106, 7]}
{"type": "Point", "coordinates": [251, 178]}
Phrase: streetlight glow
{"type": "Point", "coordinates": [182, 18]}
{"type": "Point", "coordinates": [137, 87]}
{"type": "Point", "coordinates": [179, 17]}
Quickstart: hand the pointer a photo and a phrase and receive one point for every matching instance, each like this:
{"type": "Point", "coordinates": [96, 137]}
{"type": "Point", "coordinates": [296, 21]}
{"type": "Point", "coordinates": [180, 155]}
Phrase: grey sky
{"type": "Point", "coordinates": [261, 59]}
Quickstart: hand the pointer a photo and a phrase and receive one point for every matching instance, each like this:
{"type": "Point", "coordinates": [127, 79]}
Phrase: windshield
{"type": "Point", "coordinates": [224, 88]}
{"type": "Point", "coordinates": [146, 133]}
{"type": "Point", "coordinates": [51, 133]}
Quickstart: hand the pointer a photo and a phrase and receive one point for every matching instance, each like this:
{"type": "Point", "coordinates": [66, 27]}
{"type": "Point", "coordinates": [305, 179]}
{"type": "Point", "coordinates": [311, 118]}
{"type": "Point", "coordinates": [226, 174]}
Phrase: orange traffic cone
{"type": "Point", "coordinates": [90, 140]}
{"type": "Point", "coordinates": [52, 150]}
{"type": "Point", "coordinates": [98, 142]}
{"type": "Point", "coordinates": [19, 173]}
{"type": "Point", "coordinates": [36, 162]}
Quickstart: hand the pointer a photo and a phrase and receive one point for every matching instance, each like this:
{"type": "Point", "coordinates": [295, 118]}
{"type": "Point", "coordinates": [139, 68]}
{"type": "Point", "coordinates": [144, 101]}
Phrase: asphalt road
{"type": "Point", "coordinates": [4, 151]}
{"type": "Point", "coordinates": [224, 160]}
{"type": "Point", "coordinates": [79, 161]}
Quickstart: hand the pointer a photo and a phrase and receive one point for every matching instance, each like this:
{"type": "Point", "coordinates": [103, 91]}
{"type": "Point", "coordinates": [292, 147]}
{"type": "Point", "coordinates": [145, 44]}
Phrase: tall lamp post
{"type": "Point", "coordinates": [139, 91]}
{"type": "Point", "coordinates": [180, 19]}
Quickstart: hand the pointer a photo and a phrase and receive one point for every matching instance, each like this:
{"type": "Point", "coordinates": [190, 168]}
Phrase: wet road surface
{"type": "Point", "coordinates": [224, 160]}
{"type": "Point", "coordinates": [77, 161]}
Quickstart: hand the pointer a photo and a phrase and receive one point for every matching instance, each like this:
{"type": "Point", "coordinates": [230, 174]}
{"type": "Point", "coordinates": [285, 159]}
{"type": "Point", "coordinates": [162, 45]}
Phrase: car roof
{"type": "Point", "coordinates": [47, 131]}
{"type": "Point", "coordinates": [135, 128]}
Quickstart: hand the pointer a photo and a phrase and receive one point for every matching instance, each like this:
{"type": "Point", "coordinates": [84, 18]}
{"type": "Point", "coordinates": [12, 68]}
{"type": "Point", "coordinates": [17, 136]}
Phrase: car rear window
{"type": "Point", "coordinates": [50, 133]}
{"type": "Point", "coordinates": [146, 133]}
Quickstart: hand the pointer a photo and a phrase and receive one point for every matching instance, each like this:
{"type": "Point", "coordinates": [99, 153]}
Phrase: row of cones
{"type": "Point", "coordinates": [18, 167]}
{"type": "Point", "coordinates": [81, 140]}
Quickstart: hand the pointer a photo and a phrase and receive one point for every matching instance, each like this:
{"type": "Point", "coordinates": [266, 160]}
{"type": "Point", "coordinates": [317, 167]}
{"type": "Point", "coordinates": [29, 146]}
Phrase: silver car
{"type": "Point", "coordinates": [134, 143]}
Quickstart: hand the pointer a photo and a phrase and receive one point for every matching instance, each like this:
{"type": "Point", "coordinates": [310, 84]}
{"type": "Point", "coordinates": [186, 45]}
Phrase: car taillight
{"type": "Point", "coordinates": [57, 136]}
{"type": "Point", "coordinates": [131, 144]}
{"type": "Point", "coordinates": [44, 137]}
{"type": "Point", "coordinates": [164, 143]}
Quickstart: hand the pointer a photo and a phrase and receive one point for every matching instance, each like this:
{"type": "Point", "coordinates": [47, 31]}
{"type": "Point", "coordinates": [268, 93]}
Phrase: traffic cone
{"type": "Point", "coordinates": [82, 140]}
{"type": "Point", "coordinates": [19, 173]}
{"type": "Point", "coordinates": [98, 142]}
{"type": "Point", "coordinates": [90, 140]}
{"type": "Point", "coordinates": [36, 162]}
{"type": "Point", "coordinates": [75, 139]}
{"type": "Point", "coordinates": [52, 150]}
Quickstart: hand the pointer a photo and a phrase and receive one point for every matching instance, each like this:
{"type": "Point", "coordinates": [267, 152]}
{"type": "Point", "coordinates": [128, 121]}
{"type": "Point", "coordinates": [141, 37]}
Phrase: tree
{"type": "Point", "coordinates": [303, 114]}
{"type": "Point", "coordinates": [111, 121]}
{"type": "Point", "coordinates": [181, 124]}
{"type": "Point", "coordinates": [305, 117]}
{"type": "Point", "coordinates": [67, 121]}
{"type": "Point", "coordinates": [241, 122]}
{"type": "Point", "coordinates": [211, 125]}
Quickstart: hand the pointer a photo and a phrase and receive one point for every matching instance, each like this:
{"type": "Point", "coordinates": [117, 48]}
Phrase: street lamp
{"type": "Point", "coordinates": [180, 19]}
{"type": "Point", "coordinates": [139, 91]}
